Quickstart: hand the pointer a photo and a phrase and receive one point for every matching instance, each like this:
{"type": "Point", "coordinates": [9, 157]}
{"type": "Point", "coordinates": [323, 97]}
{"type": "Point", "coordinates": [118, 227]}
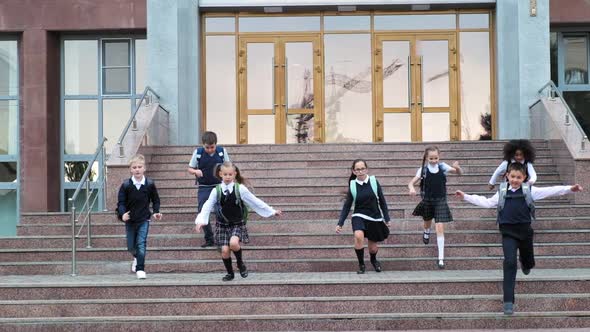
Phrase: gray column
{"type": "Point", "coordinates": [522, 63]}
{"type": "Point", "coordinates": [173, 64]}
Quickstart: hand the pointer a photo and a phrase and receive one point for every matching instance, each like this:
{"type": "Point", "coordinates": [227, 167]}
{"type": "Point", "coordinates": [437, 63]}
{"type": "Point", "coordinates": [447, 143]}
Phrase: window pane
{"type": "Point", "coordinates": [140, 65]}
{"type": "Point", "coordinates": [116, 114]}
{"type": "Point", "coordinates": [259, 70]}
{"type": "Point", "coordinates": [476, 113]}
{"type": "Point", "coordinates": [300, 128]}
{"type": "Point", "coordinates": [579, 103]}
{"type": "Point", "coordinates": [8, 172]}
{"type": "Point", "coordinates": [576, 60]}
{"type": "Point", "coordinates": [116, 81]}
{"type": "Point", "coordinates": [116, 53]}
{"type": "Point", "coordinates": [220, 72]}
{"type": "Point", "coordinates": [352, 22]}
{"type": "Point", "coordinates": [81, 132]}
{"type": "Point", "coordinates": [397, 127]}
{"type": "Point", "coordinates": [80, 199]}
{"type": "Point", "coordinates": [8, 127]}
{"type": "Point", "coordinates": [8, 212]}
{"type": "Point", "coordinates": [74, 171]}
{"type": "Point", "coordinates": [414, 22]}
{"type": "Point", "coordinates": [81, 67]}
{"type": "Point", "coordinates": [436, 87]}
{"type": "Point", "coordinates": [299, 75]}
{"type": "Point", "coordinates": [553, 54]}
{"type": "Point", "coordinates": [395, 73]}
{"type": "Point", "coordinates": [474, 21]}
{"type": "Point", "coordinates": [348, 91]}
{"type": "Point", "coordinates": [436, 127]}
{"type": "Point", "coordinates": [261, 129]}
{"type": "Point", "coordinates": [279, 23]}
{"type": "Point", "coordinates": [220, 24]}
{"type": "Point", "coordinates": [8, 68]}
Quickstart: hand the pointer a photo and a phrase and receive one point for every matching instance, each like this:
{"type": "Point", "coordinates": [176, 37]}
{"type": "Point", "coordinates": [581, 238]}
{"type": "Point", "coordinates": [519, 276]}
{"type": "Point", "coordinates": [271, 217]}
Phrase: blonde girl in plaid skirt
{"type": "Point", "coordinates": [231, 229]}
{"type": "Point", "coordinates": [433, 190]}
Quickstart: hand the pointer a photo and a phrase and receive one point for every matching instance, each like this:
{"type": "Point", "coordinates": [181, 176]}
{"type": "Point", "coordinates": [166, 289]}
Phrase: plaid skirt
{"type": "Point", "coordinates": [224, 232]}
{"type": "Point", "coordinates": [434, 209]}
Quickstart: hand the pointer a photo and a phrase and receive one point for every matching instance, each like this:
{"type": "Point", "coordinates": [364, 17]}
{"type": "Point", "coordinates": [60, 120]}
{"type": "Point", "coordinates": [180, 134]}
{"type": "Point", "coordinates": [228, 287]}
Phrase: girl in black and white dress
{"type": "Point", "coordinates": [370, 218]}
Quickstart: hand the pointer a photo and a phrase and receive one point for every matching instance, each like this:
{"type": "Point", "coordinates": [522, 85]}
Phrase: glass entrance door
{"type": "Point", "coordinates": [416, 82]}
{"type": "Point", "coordinates": [280, 89]}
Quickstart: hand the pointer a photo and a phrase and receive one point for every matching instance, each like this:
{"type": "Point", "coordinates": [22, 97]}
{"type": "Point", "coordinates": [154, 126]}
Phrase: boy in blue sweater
{"type": "Point", "coordinates": [133, 208]}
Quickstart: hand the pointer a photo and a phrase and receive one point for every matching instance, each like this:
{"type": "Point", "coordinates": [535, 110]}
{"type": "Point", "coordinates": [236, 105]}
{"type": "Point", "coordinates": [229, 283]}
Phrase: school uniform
{"type": "Point", "coordinates": [514, 222]}
{"type": "Point", "coordinates": [230, 220]}
{"type": "Point", "coordinates": [434, 194]}
{"type": "Point", "coordinates": [369, 213]}
{"type": "Point", "coordinates": [531, 175]}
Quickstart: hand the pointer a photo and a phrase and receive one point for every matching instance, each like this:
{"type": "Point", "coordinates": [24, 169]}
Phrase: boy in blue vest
{"type": "Point", "coordinates": [514, 202]}
{"type": "Point", "coordinates": [202, 166]}
{"type": "Point", "coordinates": [133, 208]}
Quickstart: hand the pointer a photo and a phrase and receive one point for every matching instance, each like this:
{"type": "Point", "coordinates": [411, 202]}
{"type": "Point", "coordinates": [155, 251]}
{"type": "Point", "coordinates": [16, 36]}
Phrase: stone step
{"type": "Point", "coordinates": [288, 265]}
{"type": "Point", "coordinates": [266, 252]}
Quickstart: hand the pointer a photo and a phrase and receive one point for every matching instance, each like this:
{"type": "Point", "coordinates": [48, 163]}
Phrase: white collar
{"type": "Point", "coordinates": [512, 189]}
{"type": "Point", "coordinates": [362, 182]}
{"type": "Point", "coordinates": [229, 187]}
{"type": "Point", "coordinates": [135, 182]}
{"type": "Point", "coordinates": [520, 162]}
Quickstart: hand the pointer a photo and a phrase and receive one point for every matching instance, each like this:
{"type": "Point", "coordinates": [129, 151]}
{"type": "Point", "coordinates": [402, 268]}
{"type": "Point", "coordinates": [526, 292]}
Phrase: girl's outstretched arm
{"type": "Point", "coordinates": [456, 169]}
{"type": "Point", "coordinates": [203, 217]}
{"type": "Point", "coordinates": [532, 173]}
{"type": "Point", "coordinates": [257, 204]}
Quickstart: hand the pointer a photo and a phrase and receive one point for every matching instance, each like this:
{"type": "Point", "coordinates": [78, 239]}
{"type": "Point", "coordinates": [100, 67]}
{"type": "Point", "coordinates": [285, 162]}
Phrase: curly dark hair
{"type": "Point", "coordinates": [523, 145]}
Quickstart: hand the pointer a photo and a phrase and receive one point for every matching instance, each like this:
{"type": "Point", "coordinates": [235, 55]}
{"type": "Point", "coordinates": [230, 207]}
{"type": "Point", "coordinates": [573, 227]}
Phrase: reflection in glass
{"type": "Point", "coordinates": [116, 53]}
{"type": "Point", "coordinates": [475, 87]}
{"type": "Point", "coordinates": [436, 127]}
{"type": "Point", "coordinates": [81, 67]}
{"type": "Point", "coordinates": [116, 81]}
{"type": "Point", "coordinates": [261, 129]}
{"type": "Point", "coordinates": [81, 130]}
{"type": "Point", "coordinates": [397, 127]}
{"type": "Point", "coordinates": [260, 75]}
{"type": "Point", "coordinates": [579, 103]}
{"type": "Point", "coordinates": [395, 73]}
{"type": "Point", "coordinates": [576, 59]}
{"type": "Point", "coordinates": [474, 21]}
{"type": "Point", "coordinates": [220, 74]}
{"type": "Point", "coordinates": [8, 127]}
{"type": "Point", "coordinates": [414, 22]}
{"type": "Point", "coordinates": [8, 68]}
{"type": "Point", "coordinates": [300, 128]}
{"type": "Point", "coordinates": [435, 72]}
{"type": "Point", "coordinates": [553, 55]}
{"type": "Point", "coordinates": [220, 24]}
{"type": "Point", "coordinates": [8, 172]}
{"type": "Point", "coordinates": [74, 171]}
{"type": "Point", "coordinates": [279, 23]}
{"type": "Point", "coordinates": [299, 75]}
{"type": "Point", "coordinates": [115, 115]}
{"type": "Point", "coordinates": [348, 88]}
{"type": "Point", "coordinates": [80, 199]}
{"type": "Point", "coordinates": [140, 65]}
{"type": "Point", "coordinates": [347, 22]}
{"type": "Point", "coordinates": [8, 212]}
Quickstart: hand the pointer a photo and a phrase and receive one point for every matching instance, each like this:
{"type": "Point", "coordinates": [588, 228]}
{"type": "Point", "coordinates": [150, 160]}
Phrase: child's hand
{"type": "Point", "coordinates": [491, 186]}
{"type": "Point", "coordinates": [338, 229]}
{"type": "Point", "coordinates": [577, 188]}
{"type": "Point", "coordinates": [412, 191]}
{"type": "Point", "coordinates": [388, 224]}
{"type": "Point", "coordinates": [198, 173]}
{"type": "Point", "coordinates": [126, 216]}
{"type": "Point", "coordinates": [456, 164]}
{"type": "Point", "coordinates": [278, 213]}
{"type": "Point", "coordinates": [460, 194]}
{"type": "Point", "coordinates": [158, 216]}
{"type": "Point", "coordinates": [198, 228]}
{"type": "Point", "coordinates": [457, 168]}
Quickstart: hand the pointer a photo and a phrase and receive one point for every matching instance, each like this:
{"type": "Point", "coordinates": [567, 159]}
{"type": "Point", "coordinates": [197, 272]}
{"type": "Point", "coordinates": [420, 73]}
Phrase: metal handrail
{"type": "Point", "coordinates": [569, 116]}
{"type": "Point", "coordinates": [85, 182]}
{"type": "Point", "coordinates": [132, 120]}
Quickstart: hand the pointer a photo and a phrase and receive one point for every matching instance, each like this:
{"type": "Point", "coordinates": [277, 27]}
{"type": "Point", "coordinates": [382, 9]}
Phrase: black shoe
{"type": "Point", "coordinates": [207, 244]}
{"type": "Point", "coordinates": [361, 269]}
{"type": "Point", "coordinates": [228, 277]}
{"type": "Point", "coordinates": [426, 237]}
{"type": "Point", "coordinates": [526, 271]}
{"type": "Point", "coordinates": [440, 264]}
{"type": "Point", "coordinates": [376, 266]}
{"type": "Point", "coordinates": [243, 270]}
{"type": "Point", "coordinates": [508, 308]}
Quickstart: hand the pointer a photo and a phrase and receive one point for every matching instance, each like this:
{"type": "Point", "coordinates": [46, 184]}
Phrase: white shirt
{"type": "Point", "coordinates": [136, 183]}
{"type": "Point", "coordinates": [434, 169]}
{"type": "Point", "coordinates": [362, 182]}
{"type": "Point", "coordinates": [502, 169]}
{"type": "Point", "coordinates": [536, 192]}
{"type": "Point", "coordinates": [252, 201]}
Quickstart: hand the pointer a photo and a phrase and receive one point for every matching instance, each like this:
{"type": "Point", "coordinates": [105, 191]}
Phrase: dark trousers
{"type": "Point", "coordinates": [202, 195]}
{"type": "Point", "coordinates": [516, 237]}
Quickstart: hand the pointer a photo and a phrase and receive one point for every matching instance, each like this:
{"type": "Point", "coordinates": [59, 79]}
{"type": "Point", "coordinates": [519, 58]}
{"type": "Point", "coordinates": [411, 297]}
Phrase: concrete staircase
{"type": "Point", "coordinates": [302, 274]}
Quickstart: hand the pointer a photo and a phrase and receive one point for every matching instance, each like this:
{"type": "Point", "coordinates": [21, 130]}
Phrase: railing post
{"type": "Point", "coordinates": [88, 230]}
{"type": "Point", "coordinates": [73, 220]}
{"type": "Point", "coordinates": [567, 119]}
{"type": "Point", "coordinates": [121, 150]}
{"type": "Point", "coordinates": [104, 179]}
{"type": "Point", "coordinates": [583, 144]}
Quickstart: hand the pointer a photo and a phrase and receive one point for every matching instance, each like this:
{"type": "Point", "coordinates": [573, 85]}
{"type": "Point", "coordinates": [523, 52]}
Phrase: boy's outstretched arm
{"type": "Point", "coordinates": [482, 201]}
{"type": "Point", "coordinates": [539, 193]}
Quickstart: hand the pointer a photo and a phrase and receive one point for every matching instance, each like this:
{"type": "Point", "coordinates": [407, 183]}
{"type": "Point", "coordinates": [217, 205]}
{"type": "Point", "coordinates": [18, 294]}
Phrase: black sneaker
{"type": "Point", "coordinates": [426, 237]}
{"type": "Point", "coordinates": [207, 244]}
{"type": "Point", "coordinates": [361, 269]}
{"type": "Point", "coordinates": [441, 264]}
{"type": "Point", "coordinates": [526, 271]}
{"type": "Point", "coordinates": [508, 308]}
{"type": "Point", "coordinates": [376, 266]}
{"type": "Point", "coordinates": [243, 270]}
{"type": "Point", "coordinates": [228, 277]}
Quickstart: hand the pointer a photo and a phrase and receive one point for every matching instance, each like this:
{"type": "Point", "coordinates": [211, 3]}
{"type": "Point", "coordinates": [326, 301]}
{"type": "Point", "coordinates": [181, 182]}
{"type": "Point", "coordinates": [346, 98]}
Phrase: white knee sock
{"type": "Point", "coordinates": [440, 240]}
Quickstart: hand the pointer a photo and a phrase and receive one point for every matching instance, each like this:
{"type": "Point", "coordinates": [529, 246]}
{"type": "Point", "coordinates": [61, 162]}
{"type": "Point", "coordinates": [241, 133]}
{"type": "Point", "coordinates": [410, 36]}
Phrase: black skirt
{"type": "Point", "coordinates": [375, 231]}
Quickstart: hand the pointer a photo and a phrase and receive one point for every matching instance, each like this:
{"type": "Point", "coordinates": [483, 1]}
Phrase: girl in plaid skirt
{"type": "Point", "coordinates": [231, 229]}
{"type": "Point", "coordinates": [433, 189]}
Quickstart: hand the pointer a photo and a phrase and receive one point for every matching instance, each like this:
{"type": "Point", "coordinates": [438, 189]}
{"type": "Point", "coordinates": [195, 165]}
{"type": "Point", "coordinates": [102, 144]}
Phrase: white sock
{"type": "Point", "coordinates": [427, 232]}
{"type": "Point", "coordinates": [440, 240]}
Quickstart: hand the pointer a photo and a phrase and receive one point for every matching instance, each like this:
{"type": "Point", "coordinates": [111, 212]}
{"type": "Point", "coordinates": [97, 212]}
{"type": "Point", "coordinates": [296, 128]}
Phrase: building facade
{"type": "Point", "coordinates": [257, 71]}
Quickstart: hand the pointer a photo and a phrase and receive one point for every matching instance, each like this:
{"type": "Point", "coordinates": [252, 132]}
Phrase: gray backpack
{"type": "Point", "coordinates": [526, 191]}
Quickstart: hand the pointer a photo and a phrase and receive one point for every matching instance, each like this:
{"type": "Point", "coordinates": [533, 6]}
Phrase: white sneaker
{"type": "Point", "coordinates": [141, 275]}
{"type": "Point", "coordinates": [134, 265]}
